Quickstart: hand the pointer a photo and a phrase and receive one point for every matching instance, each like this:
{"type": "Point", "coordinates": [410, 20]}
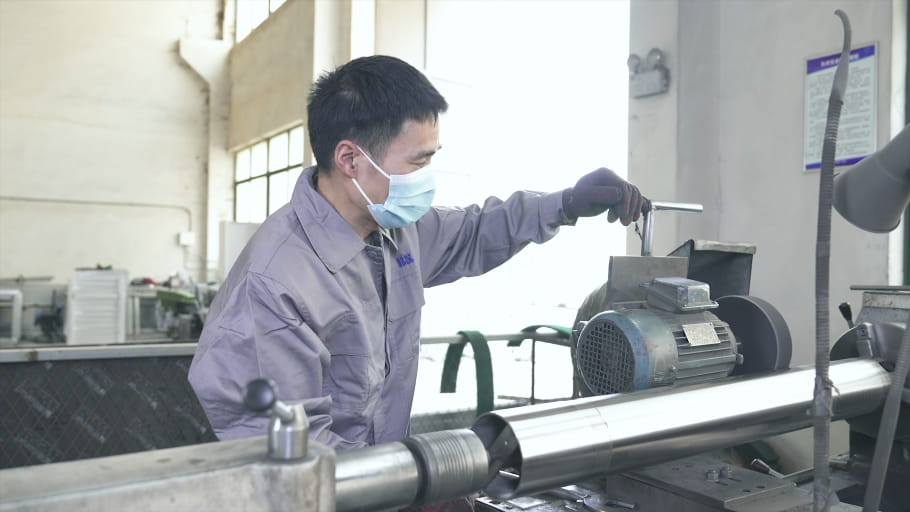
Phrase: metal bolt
{"type": "Point", "coordinates": [711, 475]}
{"type": "Point", "coordinates": [726, 472]}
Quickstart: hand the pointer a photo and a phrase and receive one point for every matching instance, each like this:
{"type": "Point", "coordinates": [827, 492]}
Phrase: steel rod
{"type": "Point", "coordinates": [562, 442]}
{"type": "Point", "coordinates": [648, 220]}
{"type": "Point", "coordinates": [376, 478]}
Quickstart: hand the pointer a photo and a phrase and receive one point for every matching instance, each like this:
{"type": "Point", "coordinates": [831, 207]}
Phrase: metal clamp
{"type": "Point", "coordinates": [648, 219]}
{"type": "Point", "coordinates": [288, 426]}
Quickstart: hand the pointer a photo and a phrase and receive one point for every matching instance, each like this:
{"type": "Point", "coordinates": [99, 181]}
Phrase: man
{"type": "Point", "coordinates": [325, 299]}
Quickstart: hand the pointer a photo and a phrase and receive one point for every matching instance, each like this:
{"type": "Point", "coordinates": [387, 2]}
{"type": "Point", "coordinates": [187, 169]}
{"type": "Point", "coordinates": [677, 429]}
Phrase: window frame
{"type": "Point", "coordinates": [291, 163]}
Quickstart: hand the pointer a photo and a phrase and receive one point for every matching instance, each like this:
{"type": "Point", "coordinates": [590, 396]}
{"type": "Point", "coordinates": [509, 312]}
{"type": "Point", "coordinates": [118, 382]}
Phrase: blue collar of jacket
{"type": "Point", "coordinates": [334, 240]}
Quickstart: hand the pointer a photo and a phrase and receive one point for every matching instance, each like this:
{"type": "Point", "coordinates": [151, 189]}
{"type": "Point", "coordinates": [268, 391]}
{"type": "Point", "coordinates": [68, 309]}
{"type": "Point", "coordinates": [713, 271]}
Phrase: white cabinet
{"type": "Point", "coordinates": [96, 307]}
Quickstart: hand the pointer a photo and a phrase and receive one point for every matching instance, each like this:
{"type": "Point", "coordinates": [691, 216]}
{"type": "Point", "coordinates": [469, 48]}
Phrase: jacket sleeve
{"type": "Point", "coordinates": [462, 242]}
{"type": "Point", "coordinates": [261, 333]}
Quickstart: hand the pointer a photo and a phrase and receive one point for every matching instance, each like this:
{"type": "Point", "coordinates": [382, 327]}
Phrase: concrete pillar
{"type": "Point", "coordinates": [653, 151]}
{"type": "Point", "coordinates": [401, 30]}
{"type": "Point", "coordinates": [331, 34]}
{"type": "Point", "coordinates": [209, 60]}
{"type": "Point", "coordinates": [729, 134]}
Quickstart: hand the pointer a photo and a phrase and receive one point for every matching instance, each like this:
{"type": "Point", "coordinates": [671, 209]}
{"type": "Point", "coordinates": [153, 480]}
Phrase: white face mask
{"type": "Point", "coordinates": [410, 196]}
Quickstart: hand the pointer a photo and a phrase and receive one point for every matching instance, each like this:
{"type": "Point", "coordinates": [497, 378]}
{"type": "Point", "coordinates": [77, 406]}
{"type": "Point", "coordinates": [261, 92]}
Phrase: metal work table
{"type": "Point", "coordinates": [30, 352]}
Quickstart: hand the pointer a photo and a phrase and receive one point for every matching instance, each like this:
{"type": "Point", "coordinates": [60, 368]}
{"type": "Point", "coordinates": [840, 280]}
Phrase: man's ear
{"type": "Point", "coordinates": [345, 153]}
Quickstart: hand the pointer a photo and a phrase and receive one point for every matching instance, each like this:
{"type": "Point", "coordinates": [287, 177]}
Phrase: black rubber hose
{"type": "Point", "coordinates": [822, 394]}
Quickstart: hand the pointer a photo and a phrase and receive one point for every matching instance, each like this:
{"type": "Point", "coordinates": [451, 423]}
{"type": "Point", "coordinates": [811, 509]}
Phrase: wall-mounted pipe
{"type": "Point", "coordinates": [87, 202]}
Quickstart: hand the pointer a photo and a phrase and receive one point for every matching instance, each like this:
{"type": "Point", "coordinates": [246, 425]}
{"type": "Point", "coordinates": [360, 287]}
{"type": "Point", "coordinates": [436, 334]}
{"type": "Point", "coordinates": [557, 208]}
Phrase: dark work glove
{"type": "Point", "coordinates": [603, 190]}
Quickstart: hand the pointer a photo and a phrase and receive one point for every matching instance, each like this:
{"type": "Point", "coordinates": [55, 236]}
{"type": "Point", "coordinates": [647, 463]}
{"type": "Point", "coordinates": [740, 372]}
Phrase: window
{"type": "Point", "coordinates": [250, 14]}
{"type": "Point", "coordinates": [265, 174]}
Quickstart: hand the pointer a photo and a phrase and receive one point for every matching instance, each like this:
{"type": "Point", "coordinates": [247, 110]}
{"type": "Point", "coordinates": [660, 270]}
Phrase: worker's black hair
{"type": "Point", "coordinates": [367, 101]}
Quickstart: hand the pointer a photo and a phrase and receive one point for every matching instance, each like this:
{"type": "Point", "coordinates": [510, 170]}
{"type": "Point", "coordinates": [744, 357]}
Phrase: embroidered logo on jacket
{"type": "Point", "coordinates": [407, 259]}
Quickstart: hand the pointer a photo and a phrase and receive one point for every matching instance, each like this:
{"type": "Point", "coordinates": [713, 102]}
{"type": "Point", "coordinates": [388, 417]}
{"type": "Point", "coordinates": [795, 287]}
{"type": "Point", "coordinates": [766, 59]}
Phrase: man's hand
{"type": "Point", "coordinates": [600, 191]}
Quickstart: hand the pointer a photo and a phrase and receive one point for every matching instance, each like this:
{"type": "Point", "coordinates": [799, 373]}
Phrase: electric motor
{"type": "Point", "coordinates": [621, 351]}
{"type": "Point", "coordinates": [678, 335]}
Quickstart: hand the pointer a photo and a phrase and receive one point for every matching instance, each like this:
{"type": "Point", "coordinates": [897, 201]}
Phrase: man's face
{"type": "Point", "coordinates": [412, 149]}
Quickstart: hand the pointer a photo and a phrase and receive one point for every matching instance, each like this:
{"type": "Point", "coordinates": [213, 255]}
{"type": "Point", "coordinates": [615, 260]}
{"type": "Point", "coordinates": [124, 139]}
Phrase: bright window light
{"type": "Point", "coordinates": [242, 165]}
{"type": "Point", "coordinates": [278, 191]}
{"type": "Point", "coordinates": [259, 160]}
{"type": "Point", "coordinates": [295, 155]}
{"type": "Point", "coordinates": [250, 14]}
{"type": "Point", "coordinates": [265, 174]}
{"type": "Point", "coordinates": [278, 152]}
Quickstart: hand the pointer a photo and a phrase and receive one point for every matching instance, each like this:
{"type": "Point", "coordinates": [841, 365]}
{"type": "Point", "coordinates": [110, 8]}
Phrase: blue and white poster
{"type": "Point", "coordinates": [856, 132]}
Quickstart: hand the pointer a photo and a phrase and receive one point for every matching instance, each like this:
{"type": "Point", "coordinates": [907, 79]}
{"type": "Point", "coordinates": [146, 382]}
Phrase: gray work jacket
{"type": "Point", "coordinates": [302, 306]}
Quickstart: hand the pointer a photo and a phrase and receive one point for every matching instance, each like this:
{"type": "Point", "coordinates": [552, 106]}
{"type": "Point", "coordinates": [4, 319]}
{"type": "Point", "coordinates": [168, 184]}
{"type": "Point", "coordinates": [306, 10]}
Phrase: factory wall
{"type": "Point", "coordinates": [729, 134]}
{"type": "Point", "coordinates": [271, 71]}
{"type": "Point", "coordinates": [116, 133]}
{"type": "Point", "coordinates": [103, 136]}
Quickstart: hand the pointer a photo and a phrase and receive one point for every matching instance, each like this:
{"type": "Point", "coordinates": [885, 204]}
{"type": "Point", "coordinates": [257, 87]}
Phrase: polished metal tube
{"type": "Point", "coordinates": [382, 477]}
{"type": "Point", "coordinates": [560, 443]}
{"type": "Point", "coordinates": [658, 206]}
{"type": "Point", "coordinates": [424, 468]}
